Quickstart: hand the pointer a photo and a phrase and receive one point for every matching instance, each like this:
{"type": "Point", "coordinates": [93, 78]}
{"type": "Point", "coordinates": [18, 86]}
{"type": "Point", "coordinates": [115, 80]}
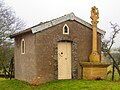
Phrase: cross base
{"type": "Point", "coordinates": [94, 57]}
{"type": "Point", "coordinates": [94, 70]}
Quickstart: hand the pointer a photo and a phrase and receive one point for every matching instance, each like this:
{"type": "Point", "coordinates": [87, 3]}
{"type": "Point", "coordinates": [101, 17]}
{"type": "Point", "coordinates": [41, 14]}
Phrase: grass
{"type": "Point", "coordinates": [79, 85]}
{"type": "Point", "coordinates": [2, 79]}
{"type": "Point", "coordinates": [61, 85]}
{"type": "Point", "coordinates": [6, 84]}
{"type": "Point", "coordinates": [116, 76]}
{"type": "Point", "coordinates": [14, 85]}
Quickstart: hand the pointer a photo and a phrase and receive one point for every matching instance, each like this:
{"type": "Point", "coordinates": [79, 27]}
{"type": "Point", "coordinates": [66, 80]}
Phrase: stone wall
{"type": "Point", "coordinates": [94, 73]}
{"type": "Point", "coordinates": [46, 49]}
{"type": "Point", "coordinates": [40, 63]}
{"type": "Point", "coordinates": [25, 64]}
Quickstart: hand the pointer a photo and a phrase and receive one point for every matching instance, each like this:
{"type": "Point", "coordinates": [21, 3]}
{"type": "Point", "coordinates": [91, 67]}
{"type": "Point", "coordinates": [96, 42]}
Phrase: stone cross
{"type": "Point", "coordinates": [94, 14]}
{"type": "Point", "coordinates": [94, 57]}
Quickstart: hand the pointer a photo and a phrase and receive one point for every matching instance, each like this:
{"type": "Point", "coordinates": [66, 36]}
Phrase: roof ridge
{"type": "Point", "coordinates": [70, 16]}
{"type": "Point", "coordinates": [52, 22]}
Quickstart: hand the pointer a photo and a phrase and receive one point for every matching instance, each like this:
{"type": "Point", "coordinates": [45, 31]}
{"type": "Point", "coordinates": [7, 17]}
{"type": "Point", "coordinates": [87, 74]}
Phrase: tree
{"type": "Point", "coordinates": [107, 45]}
{"type": "Point", "coordinates": [9, 24]}
{"type": "Point", "coordinates": [116, 54]}
{"type": "Point", "coordinates": [119, 49]}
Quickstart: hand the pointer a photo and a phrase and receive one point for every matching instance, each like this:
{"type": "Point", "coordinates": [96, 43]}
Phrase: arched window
{"type": "Point", "coordinates": [65, 29]}
{"type": "Point", "coordinates": [22, 46]}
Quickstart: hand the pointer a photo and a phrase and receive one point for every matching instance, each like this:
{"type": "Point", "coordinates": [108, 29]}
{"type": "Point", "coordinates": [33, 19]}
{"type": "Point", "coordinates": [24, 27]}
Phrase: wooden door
{"type": "Point", "coordinates": [64, 60]}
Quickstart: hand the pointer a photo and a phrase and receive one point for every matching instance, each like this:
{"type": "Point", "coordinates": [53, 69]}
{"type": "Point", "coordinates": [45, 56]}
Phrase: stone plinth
{"type": "Point", "coordinates": [94, 70]}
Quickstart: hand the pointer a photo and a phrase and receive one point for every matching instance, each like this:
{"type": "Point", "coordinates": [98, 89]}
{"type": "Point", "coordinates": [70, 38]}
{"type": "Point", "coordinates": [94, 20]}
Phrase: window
{"type": "Point", "coordinates": [65, 29]}
{"type": "Point", "coordinates": [22, 46]}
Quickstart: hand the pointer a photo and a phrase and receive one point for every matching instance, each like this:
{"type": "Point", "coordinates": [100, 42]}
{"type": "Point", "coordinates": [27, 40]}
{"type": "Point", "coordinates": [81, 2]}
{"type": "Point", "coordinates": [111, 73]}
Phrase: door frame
{"type": "Point", "coordinates": [74, 58]}
{"type": "Point", "coordinates": [67, 43]}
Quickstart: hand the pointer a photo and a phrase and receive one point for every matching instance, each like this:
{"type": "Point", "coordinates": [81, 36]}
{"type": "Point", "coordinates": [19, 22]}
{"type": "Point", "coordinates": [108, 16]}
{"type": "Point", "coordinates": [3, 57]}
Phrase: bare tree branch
{"type": "Point", "coordinates": [107, 45]}
{"type": "Point", "coordinates": [9, 24]}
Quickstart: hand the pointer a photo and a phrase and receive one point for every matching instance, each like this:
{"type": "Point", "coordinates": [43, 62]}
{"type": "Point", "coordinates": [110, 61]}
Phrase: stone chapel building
{"type": "Point", "coordinates": [54, 49]}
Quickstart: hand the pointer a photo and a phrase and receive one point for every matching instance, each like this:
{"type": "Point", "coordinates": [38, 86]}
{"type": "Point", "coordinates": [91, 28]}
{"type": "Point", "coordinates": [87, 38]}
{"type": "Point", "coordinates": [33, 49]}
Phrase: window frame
{"type": "Point", "coordinates": [67, 29]}
{"type": "Point", "coordinates": [23, 47]}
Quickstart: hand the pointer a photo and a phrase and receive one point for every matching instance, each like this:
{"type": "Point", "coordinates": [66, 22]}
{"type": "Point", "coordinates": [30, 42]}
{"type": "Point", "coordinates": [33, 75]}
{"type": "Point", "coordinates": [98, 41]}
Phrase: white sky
{"type": "Point", "coordinates": [36, 11]}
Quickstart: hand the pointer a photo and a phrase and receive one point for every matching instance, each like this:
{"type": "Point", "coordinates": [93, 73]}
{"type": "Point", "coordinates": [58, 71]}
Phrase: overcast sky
{"type": "Point", "coordinates": [36, 11]}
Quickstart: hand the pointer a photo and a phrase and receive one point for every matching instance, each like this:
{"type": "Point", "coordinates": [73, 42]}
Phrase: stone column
{"type": "Point", "coordinates": [94, 57]}
{"type": "Point", "coordinates": [95, 69]}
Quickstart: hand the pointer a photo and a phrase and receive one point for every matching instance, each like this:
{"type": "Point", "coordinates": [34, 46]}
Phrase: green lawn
{"type": "Point", "coordinates": [14, 85]}
{"type": "Point", "coordinates": [61, 85]}
{"type": "Point", "coordinates": [6, 84]}
{"type": "Point", "coordinates": [116, 76]}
